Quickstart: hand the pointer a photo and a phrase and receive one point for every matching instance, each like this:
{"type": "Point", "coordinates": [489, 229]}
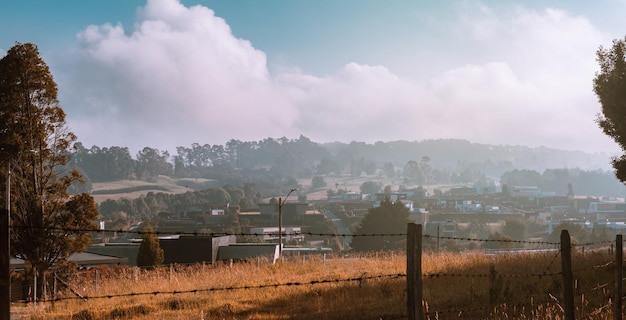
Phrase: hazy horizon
{"type": "Point", "coordinates": [168, 73]}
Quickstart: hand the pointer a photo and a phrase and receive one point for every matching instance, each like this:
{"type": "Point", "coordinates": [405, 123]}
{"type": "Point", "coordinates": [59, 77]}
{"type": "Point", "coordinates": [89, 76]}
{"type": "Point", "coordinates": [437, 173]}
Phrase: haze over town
{"type": "Point", "coordinates": [168, 73]}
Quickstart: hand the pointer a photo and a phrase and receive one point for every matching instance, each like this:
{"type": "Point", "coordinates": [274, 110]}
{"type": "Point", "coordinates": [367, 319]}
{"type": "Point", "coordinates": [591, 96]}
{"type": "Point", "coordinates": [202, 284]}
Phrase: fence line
{"type": "Point", "coordinates": [256, 234]}
{"type": "Point", "coordinates": [360, 279]}
{"type": "Point", "coordinates": [197, 233]}
{"type": "Point", "coordinates": [452, 275]}
{"type": "Point", "coordinates": [364, 277]}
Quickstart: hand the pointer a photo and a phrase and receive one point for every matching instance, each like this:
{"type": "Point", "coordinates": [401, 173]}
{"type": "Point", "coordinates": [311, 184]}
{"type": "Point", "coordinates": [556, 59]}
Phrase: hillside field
{"type": "Point", "coordinates": [115, 190]}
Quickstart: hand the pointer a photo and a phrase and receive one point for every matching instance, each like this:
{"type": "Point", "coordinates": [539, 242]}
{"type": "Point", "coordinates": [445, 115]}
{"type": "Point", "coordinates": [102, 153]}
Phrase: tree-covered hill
{"type": "Point", "coordinates": [274, 165]}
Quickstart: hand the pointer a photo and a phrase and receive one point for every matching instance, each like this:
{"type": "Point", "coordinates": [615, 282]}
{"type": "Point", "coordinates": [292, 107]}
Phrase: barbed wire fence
{"type": "Point", "coordinates": [417, 306]}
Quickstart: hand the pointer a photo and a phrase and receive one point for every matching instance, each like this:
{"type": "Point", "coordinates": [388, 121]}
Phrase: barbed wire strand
{"type": "Point", "coordinates": [528, 275]}
{"type": "Point", "coordinates": [553, 259]}
{"type": "Point", "coordinates": [199, 233]}
{"type": "Point", "coordinates": [360, 279]}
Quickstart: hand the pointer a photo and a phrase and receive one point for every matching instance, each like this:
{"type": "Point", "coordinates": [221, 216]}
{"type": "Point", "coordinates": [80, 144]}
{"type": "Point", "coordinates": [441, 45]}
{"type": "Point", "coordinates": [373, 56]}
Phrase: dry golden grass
{"type": "Point", "coordinates": [467, 286]}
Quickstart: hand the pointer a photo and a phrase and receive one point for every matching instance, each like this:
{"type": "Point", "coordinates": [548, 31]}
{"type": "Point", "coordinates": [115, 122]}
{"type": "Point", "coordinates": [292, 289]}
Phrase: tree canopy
{"type": "Point", "coordinates": [389, 218]}
{"type": "Point", "coordinates": [610, 87]}
{"type": "Point", "coordinates": [47, 224]}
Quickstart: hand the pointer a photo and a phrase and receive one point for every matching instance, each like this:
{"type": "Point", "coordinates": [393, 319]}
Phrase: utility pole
{"type": "Point", "coordinates": [280, 228]}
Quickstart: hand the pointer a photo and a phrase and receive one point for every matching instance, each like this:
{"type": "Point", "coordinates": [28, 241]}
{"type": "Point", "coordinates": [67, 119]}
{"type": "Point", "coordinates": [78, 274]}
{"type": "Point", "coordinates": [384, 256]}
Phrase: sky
{"type": "Point", "coordinates": [170, 73]}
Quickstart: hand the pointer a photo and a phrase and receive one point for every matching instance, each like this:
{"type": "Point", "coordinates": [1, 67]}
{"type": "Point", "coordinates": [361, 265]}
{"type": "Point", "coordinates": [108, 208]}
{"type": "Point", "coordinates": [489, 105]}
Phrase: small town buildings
{"type": "Point", "coordinates": [177, 249]}
{"type": "Point", "coordinates": [271, 234]}
{"type": "Point", "coordinates": [248, 251]}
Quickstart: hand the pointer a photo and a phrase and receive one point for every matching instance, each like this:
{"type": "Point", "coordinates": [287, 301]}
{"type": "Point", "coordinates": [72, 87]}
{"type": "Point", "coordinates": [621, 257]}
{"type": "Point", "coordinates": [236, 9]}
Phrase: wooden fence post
{"type": "Point", "coordinates": [54, 287]}
{"type": "Point", "coordinates": [568, 276]}
{"type": "Point", "coordinates": [617, 294]}
{"type": "Point", "coordinates": [34, 286]}
{"type": "Point", "coordinates": [414, 272]}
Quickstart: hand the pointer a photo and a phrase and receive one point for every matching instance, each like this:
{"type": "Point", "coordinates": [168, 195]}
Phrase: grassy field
{"type": "Point", "coordinates": [119, 189]}
{"type": "Point", "coordinates": [465, 286]}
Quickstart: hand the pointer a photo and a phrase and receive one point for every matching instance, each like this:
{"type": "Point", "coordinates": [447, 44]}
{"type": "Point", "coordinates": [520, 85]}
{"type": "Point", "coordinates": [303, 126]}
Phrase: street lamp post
{"type": "Point", "coordinates": [280, 222]}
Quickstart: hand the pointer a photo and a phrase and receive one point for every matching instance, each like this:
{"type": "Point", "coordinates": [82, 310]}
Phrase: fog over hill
{"type": "Point", "coordinates": [290, 156]}
{"type": "Point", "coordinates": [449, 153]}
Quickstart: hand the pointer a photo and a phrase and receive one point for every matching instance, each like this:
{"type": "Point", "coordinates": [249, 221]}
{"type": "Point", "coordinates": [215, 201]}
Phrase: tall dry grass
{"type": "Point", "coordinates": [466, 286]}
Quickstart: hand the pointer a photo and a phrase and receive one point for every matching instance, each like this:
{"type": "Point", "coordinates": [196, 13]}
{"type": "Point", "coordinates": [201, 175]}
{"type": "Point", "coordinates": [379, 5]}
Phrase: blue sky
{"type": "Point", "coordinates": [167, 73]}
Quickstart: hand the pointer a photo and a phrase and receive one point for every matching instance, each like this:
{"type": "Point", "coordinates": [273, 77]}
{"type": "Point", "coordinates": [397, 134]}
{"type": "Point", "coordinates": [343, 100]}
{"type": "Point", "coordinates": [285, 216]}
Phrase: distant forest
{"type": "Point", "coordinates": [272, 165]}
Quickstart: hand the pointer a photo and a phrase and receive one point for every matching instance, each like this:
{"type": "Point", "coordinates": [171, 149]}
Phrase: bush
{"type": "Point", "coordinates": [150, 253]}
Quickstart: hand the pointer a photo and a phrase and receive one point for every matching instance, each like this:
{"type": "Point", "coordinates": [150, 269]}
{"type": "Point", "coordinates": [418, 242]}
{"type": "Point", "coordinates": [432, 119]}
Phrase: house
{"type": "Point", "coordinates": [391, 196]}
{"type": "Point", "coordinates": [462, 205]}
{"type": "Point", "coordinates": [530, 192]}
{"type": "Point", "coordinates": [608, 210]}
{"type": "Point", "coordinates": [82, 260]}
{"type": "Point", "coordinates": [177, 249]}
{"type": "Point", "coordinates": [270, 234]}
{"type": "Point", "coordinates": [248, 251]}
{"type": "Point", "coordinates": [193, 249]}
{"type": "Point", "coordinates": [445, 228]}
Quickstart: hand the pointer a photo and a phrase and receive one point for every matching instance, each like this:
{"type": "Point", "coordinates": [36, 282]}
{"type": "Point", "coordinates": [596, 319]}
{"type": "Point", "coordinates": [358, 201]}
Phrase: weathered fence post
{"type": "Point", "coordinates": [54, 289]}
{"type": "Point", "coordinates": [568, 276]}
{"type": "Point", "coordinates": [44, 290]}
{"type": "Point", "coordinates": [414, 272]}
{"type": "Point", "coordinates": [617, 294]}
{"type": "Point", "coordinates": [34, 286]}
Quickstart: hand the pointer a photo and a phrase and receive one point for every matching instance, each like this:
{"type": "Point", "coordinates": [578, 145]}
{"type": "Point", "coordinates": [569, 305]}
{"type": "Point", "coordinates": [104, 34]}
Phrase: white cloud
{"type": "Point", "coordinates": [547, 60]}
{"type": "Point", "coordinates": [179, 76]}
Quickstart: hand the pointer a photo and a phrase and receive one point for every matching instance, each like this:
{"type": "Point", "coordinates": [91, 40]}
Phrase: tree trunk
{"type": "Point", "coordinates": [36, 278]}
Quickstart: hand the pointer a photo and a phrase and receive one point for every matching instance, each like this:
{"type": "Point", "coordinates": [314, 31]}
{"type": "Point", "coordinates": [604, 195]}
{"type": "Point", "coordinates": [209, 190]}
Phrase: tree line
{"type": "Point", "coordinates": [272, 163]}
{"type": "Point", "coordinates": [146, 207]}
{"type": "Point", "coordinates": [568, 181]}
